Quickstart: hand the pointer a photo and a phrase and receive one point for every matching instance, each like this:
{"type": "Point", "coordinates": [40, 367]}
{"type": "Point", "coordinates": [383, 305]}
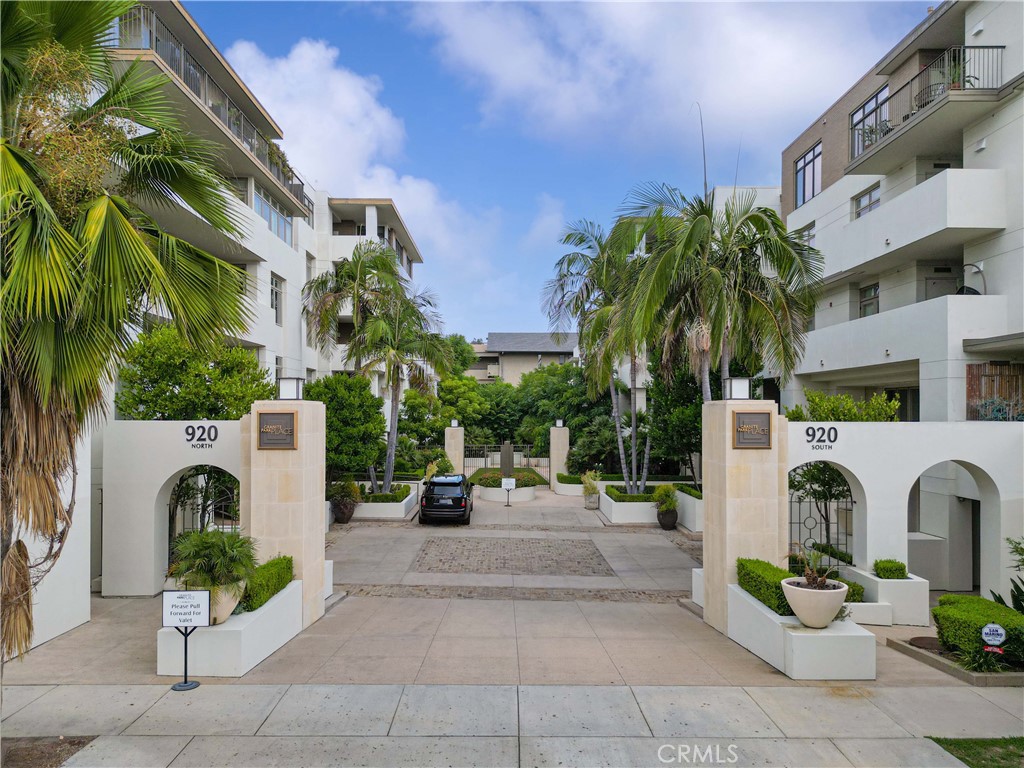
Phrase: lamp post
{"type": "Point", "coordinates": [290, 388]}
{"type": "Point", "coordinates": [737, 388]}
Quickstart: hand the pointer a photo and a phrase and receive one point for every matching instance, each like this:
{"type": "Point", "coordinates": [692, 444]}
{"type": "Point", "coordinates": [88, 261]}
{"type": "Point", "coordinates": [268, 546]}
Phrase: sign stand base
{"type": "Point", "coordinates": [185, 684]}
{"type": "Point", "coordinates": [188, 685]}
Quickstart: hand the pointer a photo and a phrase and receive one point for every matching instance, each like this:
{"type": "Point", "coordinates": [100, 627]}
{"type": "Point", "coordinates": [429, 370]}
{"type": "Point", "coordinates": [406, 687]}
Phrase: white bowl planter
{"type": "Point", "coordinates": [815, 608]}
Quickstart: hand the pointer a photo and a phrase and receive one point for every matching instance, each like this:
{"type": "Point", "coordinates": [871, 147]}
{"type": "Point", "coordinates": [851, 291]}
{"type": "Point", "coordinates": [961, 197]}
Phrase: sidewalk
{"type": "Point", "coordinates": [421, 725]}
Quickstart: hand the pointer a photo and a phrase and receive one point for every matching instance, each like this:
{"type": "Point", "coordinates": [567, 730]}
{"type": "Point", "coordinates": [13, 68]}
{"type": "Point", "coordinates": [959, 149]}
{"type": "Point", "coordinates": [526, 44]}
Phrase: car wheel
{"type": "Point", "coordinates": [423, 520]}
{"type": "Point", "coordinates": [466, 521]}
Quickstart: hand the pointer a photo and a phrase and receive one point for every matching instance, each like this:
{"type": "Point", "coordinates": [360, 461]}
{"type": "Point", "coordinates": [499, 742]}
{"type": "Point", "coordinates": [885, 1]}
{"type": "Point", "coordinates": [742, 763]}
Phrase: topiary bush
{"type": "Point", "coordinates": [491, 478]}
{"type": "Point", "coordinates": [618, 493]}
{"type": "Point", "coordinates": [959, 620]}
{"type": "Point", "coordinates": [890, 569]}
{"type": "Point", "coordinates": [266, 581]}
{"type": "Point", "coordinates": [399, 492]}
{"type": "Point", "coordinates": [834, 552]}
{"type": "Point", "coordinates": [763, 581]}
{"type": "Point", "coordinates": [689, 490]}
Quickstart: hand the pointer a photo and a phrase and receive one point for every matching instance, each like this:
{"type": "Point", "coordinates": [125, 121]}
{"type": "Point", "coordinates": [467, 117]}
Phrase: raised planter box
{"type": "Point", "coordinates": [519, 494]}
{"type": "Point", "coordinates": [908, 597]}
{"type": "Point", "coordinates": [398, 510]}
{"type": "Point", "coordinates": [691, 512]}
{"type": "Point", "coordinates": [875, 614]}
{"type": "Point", "coordinates": [697, 586]}
{"type": "Point", "coordinates": [841, 651]}
{"type": "Point", "coordinates": [233, 648]}
{"type": "Point", "coordinates": [980, 679]}
{"type": "Point", "coordinates": [628, 512]}
{"type": "Point", "coordinates": [576, 489]}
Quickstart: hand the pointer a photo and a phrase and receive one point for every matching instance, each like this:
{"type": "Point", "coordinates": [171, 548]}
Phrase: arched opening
{"type": "Point", "coordinates": [954, 528]}
{"type": "Point", "coordinates": [826, 511]}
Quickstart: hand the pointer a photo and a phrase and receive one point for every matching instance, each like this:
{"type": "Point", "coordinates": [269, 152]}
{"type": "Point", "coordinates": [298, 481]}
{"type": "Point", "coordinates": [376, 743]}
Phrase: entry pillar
{"type": "Point", "coordinates": [282, 490]}
{"type": "Point", "coordinates": [455, 448]}
{"type": "Point", "coordinates": [559, 453]}
{"type": "Point", "coordinates": [745, 492]}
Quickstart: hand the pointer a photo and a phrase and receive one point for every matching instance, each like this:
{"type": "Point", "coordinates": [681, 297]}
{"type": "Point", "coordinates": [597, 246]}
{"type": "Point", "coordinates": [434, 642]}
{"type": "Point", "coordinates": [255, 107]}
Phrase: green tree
{"type": "Point", "coordinates": [355, 423]}
{"type": "Point", "coordinates": [504, 410]}
{"type": "Point", "coordinates": [462, 353]}
{"type": "Point", "coordinates": [819, 481]}
{"type": "Point", "coordinates": [82, 148]}
{"type": "Point", "coordinates": [420, 419]}
{"type": "Point", "coordinates": [594, 447]}
{"type": "Point", "coordinates": [555, 392]}
{"type": "Point", "coordinates": [164, 378]}
{"type": "Point", "coordinates": [462, 398]}
{"type": "Point", "coordinates": [399, 339]}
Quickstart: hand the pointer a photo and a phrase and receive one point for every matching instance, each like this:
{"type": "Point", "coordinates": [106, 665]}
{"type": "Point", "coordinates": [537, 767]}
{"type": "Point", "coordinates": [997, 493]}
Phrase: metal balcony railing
{"type": "Point", "coordinates": [959, 68]}
{"type": "Point", "coordinates": [141, 29]}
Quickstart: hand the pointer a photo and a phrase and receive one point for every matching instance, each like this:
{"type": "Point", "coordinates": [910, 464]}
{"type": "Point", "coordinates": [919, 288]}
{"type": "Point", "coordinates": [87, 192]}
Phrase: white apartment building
{"type": "Point", "coordinates": [912, 187]}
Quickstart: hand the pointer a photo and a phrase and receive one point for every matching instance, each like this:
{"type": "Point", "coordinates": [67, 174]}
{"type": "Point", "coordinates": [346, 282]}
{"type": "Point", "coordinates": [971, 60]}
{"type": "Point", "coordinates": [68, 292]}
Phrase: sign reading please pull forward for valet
{"type": "Point", "coordinates": [186, 608]}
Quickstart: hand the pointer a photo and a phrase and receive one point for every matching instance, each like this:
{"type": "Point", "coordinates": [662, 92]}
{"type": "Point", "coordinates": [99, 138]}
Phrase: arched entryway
{"type": "Point", "coordinates": [199, 498]}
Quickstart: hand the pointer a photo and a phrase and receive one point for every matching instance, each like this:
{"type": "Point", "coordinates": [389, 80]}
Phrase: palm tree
{"type": "Point", "coordinates": [399, 338]}
{"type": "Point", "coordinates": [356, 284]}
{"type": "Point", "coordinates": [82, 263]}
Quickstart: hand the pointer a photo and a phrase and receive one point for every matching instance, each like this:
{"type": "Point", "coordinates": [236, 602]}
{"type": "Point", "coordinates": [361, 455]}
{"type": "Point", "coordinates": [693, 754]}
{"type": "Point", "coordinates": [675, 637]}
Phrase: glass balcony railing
{"type": "Point", "coordinates": [957, 69]}
{"type": "Point", "coordinates": [141, 29]}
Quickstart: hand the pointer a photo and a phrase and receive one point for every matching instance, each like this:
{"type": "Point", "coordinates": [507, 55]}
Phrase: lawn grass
{"type": "Point", "coordinates": [986, 753]}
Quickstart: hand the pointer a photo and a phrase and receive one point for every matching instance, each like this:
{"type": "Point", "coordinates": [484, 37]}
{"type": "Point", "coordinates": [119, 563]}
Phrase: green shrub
{"type": "Point", "coordinates": [491, 478]}
{"type": "Point", "coordinates": [398, 493]}
{"type": "Point", "coordinates": [266, 581]}
{"type": "Point", "coordinates": [569, 479]}
{"type": "Point", "coordinates": [618, 493]}
{"type": "Point", "coordinates": [213, 560]}
{"type": "Point", "coordinates": [834, 552]}
{"type": "Point", "coordinates": [763, 581]}
{"type": "Point", "coordinates": [689, 490]}
{"type": "Point", "coordinates": [890, 569]}
{"type": "Point", "coordinates": [590, 480]}
{"type": "Point", "coordinates": [856, 592]}
{"type": "Point", "coordinates": [959, 620]}
{"type": "Point", "coordinates": [665, 498]}
{"type": "Point", "coordinates": [343, 495]}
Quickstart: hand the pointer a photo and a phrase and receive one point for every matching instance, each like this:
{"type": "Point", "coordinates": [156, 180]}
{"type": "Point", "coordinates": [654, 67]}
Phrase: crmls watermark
{"type": "Point", "coordinates": [695, 754]}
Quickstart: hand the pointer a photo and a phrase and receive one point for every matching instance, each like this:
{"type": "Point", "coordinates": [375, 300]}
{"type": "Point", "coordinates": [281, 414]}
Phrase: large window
{"type": "Point", "coordinates": [867, 202]}
{"type": "Point", "coordinates": [870, 122]}
{"type": "Point", "coordinates": [869, 300]}
{"type": "Point", "coordinates": [808, 175]}
{"type": "Point", "coordinates": [273, 213]}
{"type": "Point", "coordinates": [277, 298]}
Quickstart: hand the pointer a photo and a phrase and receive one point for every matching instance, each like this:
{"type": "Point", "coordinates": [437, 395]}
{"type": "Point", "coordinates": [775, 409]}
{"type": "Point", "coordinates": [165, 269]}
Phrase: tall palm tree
{"type": "Point", "coordinates": [82, 263]}
{"type": "Point", "coordinates": [399, 338]}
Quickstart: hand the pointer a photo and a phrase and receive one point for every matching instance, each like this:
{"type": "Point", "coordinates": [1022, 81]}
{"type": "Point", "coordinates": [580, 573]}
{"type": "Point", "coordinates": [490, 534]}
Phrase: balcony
{"type": "Point", "coordinates": [141, 30]}
{"type": "Point", "coordinates": [493, 371]}
{"type": "Point", "coordinates": [959, 84]}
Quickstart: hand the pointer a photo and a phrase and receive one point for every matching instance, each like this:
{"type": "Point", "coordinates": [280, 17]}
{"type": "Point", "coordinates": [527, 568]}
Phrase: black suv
{"type": "Point", "coordinates": [447, 497]}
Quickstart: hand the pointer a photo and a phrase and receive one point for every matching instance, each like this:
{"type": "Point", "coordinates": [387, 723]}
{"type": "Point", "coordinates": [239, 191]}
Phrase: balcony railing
{"type": "Point", "coordinates": [141, 29]}
{"type": "Point", "coordinates": [959, 68]}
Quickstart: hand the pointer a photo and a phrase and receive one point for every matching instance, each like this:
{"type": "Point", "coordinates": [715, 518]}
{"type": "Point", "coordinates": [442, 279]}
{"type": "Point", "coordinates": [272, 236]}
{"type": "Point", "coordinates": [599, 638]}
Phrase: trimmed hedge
{"type": "Point", "coordinates": [834, 552]}
{"type": "Point", "coordinates": [266, 581]}
{"type": "Point", "coordinates": [491, 478]}
{"type": "Point", "coordinates": [618, 493]}
{"type": "Point", "coordinates": [575, 479]}
{"type": "Point", "coordinates": [890, 569]}
{"type": "Point", "coordinates": [959, 620]}
{"type": "Point", "coordinates": [763, 581]}
{"type": "Point", "coordinates": [689, 490]}
{"type": "Point", "coordinates": [856, 593]}
{"type": "Point", "coordinates": [399, 492]}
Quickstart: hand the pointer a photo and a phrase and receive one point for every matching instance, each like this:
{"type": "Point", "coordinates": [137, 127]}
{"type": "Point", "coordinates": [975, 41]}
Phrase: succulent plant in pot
{"type": "Point", "coordinates": [815, 598]}
{"type": "Point", "coordinates": [665, 498]}
{"type": "Point", "coordinates": [218, 561]}
{"type": "Point", "coordinates": [591, 490]}
{"type": "Point", "coordinates": [343, 496]}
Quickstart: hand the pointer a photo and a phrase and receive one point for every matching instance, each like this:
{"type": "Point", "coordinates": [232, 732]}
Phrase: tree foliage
{"type": "Point", "coordinates": [462, 353]}
{"type": "Point", "coordinates": [355, 423]}
{"type": "Point", "coordinates": [164, 378]}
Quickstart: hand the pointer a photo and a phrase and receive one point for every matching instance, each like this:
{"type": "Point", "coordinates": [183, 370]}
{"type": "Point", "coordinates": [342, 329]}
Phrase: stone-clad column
{"type": "Point", "coordinates": [282, 495]}
{"type": "Point", "coordinates": [455, 448]}
{"type": "Point", "coordinates": [559, 453]}
{"type": "Point", "coordinates": [746, 505]}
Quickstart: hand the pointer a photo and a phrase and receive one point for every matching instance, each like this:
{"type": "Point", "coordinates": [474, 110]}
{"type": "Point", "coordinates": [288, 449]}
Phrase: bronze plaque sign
{"type": "Point", "coordinates": [277, 431]}
{"type": "Point", "coordinates": [752, 430]}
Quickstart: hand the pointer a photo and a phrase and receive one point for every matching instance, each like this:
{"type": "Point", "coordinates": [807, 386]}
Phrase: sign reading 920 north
{"type": "Point", "coordinates": [752, 429]}
{"type": "Point", "coordinates": [276, 431]}
{"type": "Point", "coordinates": [186, 608]}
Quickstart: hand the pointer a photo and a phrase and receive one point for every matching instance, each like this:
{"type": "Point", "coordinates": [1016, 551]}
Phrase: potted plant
{"type": "Point", "coordinates": [343, 496]}
{"type": "Point", "coordinates": [665, 498]}
{"type": "Point", "coordinates": [815, 599]}
{"type": "Point", "coordinates": [591, 490]}
{"type": "Point", "coordinates": [218, 561]}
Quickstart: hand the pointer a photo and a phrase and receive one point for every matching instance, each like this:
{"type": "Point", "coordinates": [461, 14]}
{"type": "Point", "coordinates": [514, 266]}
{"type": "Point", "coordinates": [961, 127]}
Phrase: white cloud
{"type": "Point", "coordinates": [545, 231]}
{"type": "Point", "coordinates": [341, 139]}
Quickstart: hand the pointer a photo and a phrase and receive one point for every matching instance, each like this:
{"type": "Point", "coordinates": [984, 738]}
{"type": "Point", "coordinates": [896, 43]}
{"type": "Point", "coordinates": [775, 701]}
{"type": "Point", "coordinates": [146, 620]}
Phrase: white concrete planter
{"type": "Point", "coordinates": [389, 511]}
{"type": "Point", "coordinates": [691, 512]}
{"type": "Point", "coordinates": [233, 648]}
{"type": "Point", "coordinates": [519, 494]}
{"type": "Point", "coordinates": [816, 608]}
{"type": "Point", "coordinates": [842, 651]}
{"type": "Point", "coordinates": [592, 501]}
{"type": "Point", "coordinates": [566, 489]}
{"type": "Point", "coordinates": [908, 597]}
{"type": "Point", "coordinates": [626, 512]}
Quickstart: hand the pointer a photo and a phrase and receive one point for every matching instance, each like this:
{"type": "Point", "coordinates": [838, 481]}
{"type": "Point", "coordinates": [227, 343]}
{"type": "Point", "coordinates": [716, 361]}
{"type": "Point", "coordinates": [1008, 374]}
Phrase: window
{"type": "Point", "coordinates": [277, 298]}
{"type": "Point", "coordinates": [808, 175]}
{"type": "Point", "coordinates": [361, 230]}
{"type": "Point", "coordinates": [240, 189]}
{"type": "Point", "coordinates": [278, 368]}
{"type": "Point", "coordinates": [867, 202]}
{"type": "Point", "coordinates": [272, 212]}
{"type": "Point", "coordinates": [310, 375]}
{"type": "Point", "coordinates": [870, 122]}
{"type": "Point", "coordinates": [806, 235]}
{"type": "Point", "coordinates": [869, 300]}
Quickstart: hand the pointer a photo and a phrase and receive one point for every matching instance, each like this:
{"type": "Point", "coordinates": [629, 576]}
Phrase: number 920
{"type": "Point", "coordinates": [202, 433]}
{"type": "Point", "coordinates": [821, 434]}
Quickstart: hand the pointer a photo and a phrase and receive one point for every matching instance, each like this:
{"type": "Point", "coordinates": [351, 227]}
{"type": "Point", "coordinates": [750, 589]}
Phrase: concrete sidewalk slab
{"type": "Point", "coordinates": [210, 710]}
{"type": "Point", "coordinates": [124, 751]}
{"type": "Point", "coordinates": [703, 711]}
{"type": "Point", "coordinates": [333, 710]}
{"type": "Point", "coordinates": [457, 710]}
{"type": "Point", "coordinates": [805, 712]}
{"type": "Point", "coordinates": [1010, 699]}
{"type": "Point", "coordinates": [949, 712]}
{"type": "Point", "coordinates": [347, 752]}
{"type": "Point", "coordinates": [83, 710]}
{"type": "Point", "coordinates": [906, 753]}
{"type": "Point", "coordinates": [579, 711]}
{"type": "Point", "coordinates": [20, 696]}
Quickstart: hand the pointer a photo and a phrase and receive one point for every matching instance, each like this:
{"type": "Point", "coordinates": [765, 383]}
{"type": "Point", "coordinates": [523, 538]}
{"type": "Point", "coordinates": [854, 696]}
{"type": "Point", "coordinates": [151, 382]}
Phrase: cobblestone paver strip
{"type": "Point", "coordinates": [516, 593]}
{"type": "Point", "coordinates": [527, 557]}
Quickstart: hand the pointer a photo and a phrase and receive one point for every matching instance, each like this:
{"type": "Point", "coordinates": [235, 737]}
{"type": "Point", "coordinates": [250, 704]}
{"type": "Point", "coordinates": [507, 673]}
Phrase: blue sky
{"type": "Point", "coordinates": [492, 125]}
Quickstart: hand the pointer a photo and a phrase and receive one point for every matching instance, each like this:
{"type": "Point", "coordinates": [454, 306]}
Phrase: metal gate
{"type": "Point", "coordinates": [489, 457]}
{"type": "Point", "coordinates": [204, 498]}
{"type": "Point", "coordinates": [826, 526]}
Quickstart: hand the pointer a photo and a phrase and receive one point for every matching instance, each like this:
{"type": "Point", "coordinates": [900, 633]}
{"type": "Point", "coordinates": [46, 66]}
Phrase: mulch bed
{"type": "Point", "coordinates": [41, 751]}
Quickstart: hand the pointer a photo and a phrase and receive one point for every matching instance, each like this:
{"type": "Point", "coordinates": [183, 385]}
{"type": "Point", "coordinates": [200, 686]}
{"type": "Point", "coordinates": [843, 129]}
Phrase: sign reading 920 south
{"type": "Point", "coordinates": [186, 608]}
{"type": "Point", "coordinates": [276, 431]}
